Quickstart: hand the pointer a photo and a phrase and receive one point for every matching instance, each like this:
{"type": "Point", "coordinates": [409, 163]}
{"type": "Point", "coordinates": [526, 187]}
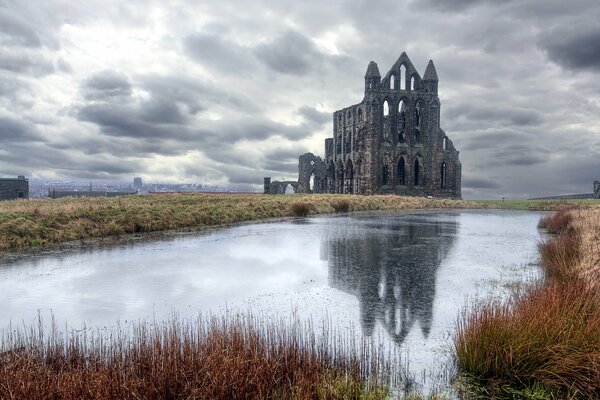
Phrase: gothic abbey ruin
{"type": "Point", "coordinates": [390, 143]}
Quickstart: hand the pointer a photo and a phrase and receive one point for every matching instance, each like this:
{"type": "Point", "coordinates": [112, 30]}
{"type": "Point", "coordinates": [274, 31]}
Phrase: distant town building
{"type": "Point", "coordinates": [58, 193]}
{"type": "Point", "coordinates": [137, 183]}
{"type": "Point", "coordinates": [12, 189]}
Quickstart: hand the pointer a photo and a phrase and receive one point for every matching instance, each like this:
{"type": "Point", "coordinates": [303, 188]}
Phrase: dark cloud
{"type": "Point", "coordinates": [14, 130]}
{"type": "Point", "coordinates": [135, 121]}
{"type": "Point", "coordinates": [285, 168]}
{"type": "Point", "coordinates": [315, 116]}
{"type": "Point", "coordinates": [480, 183]}
{"type": "Point", "coordinates": [461, 5]}
{"type": "Point", "coordinates": [481, 115]}
{"type": "Point", "coordinates": [285, 154]}
{"type": "Point", "coordinates": [290, 53]}
{"type": "Point", "coordinates": [106, 85]}
{"type": "Point", "coordinates": [219, 54]}
{"type": "Point", "coordinates": [217, 101]}
{"type": "Point", "coordinates": [25, 63]}
{"type": "Point", "coordinates": [576, 47]}
{"type": "Point", "coordinates": [196, 94]}
{"type": "Point", "coordinates": [14, 31]}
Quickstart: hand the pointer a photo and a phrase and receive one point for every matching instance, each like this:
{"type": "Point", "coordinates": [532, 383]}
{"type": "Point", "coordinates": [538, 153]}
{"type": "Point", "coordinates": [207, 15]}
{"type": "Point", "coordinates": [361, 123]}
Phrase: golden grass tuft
{"type": "Point", "coordinates": [545, 338]}
{"type": "Point", "coordinates": [301, 209]}
{"type": "Point", "coordinates": [215, 358]}
{"type": "Point", "coordinates": [557, 222]}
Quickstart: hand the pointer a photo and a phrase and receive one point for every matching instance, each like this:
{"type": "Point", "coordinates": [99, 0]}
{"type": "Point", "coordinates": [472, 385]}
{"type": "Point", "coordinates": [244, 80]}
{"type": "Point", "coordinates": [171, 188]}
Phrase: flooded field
{"type": "Point", "coordinates": [401, 278]}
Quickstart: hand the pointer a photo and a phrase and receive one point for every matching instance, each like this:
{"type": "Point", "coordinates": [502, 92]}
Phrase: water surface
{"type": "Point", "coordinates": [403, 277]}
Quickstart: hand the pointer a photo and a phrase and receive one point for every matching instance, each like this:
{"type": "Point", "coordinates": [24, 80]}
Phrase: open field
{"type": "Point", "coordinates": [544, 342]}
{"type": "Point", "coordinates": [38, 223]}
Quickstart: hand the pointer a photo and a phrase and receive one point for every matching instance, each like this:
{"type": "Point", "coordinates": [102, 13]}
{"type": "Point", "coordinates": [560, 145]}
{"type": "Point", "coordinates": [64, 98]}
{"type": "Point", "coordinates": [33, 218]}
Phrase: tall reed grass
{"type": "Point", "coordinates": [213, 358]}
{"type": "Point", "coordinates": [546, 336]}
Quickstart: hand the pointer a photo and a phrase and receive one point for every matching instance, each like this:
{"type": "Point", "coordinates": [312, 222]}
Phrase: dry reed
{"type": "Point", "coordinates": [215, 358]}
{"type": "Point", "coordinates": [545, 337]}
{"type": "Point", "coordinates": [301, 209]}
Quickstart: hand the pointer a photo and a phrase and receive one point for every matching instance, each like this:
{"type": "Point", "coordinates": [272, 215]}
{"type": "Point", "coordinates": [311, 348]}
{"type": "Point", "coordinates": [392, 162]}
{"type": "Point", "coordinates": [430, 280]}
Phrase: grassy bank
{"type": "Point", "coordinates": [215, 358]}
{"type": "Point", "coordinates": [37, 223]}
{"type": "Point", "coordinates": [545, 341]}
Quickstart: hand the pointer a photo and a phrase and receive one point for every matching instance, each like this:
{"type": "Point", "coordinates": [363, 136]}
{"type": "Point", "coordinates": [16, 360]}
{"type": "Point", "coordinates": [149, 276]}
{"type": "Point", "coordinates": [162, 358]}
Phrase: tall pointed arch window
{"type": "Point", "coordinates": [401, 171]}
{"type": "Point", "coordinates": [443, 175]}
{"type": "Point", "coordinates": [418, 172]}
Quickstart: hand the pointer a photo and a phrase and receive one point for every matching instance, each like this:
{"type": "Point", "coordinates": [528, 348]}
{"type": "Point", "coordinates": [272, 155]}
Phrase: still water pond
{"type": "Point", "coordinates": [404, 277]}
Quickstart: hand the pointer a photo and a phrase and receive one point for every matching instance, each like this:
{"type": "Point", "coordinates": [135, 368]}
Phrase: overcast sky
{"type": "Point", "coordinates": [226, 92]}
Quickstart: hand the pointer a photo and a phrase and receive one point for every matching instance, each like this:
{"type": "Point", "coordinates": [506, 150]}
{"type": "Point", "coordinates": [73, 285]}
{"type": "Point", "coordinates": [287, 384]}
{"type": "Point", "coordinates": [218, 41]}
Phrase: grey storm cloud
{"type": "Point", "coordinates": [14, 31]}
{"type": "Point", "coordinates": [220, 54]}
{"type": "Point", "coordinates": [285, 154]}
{"type": "Point", "coordinates": [461, 5]}
{"type": "Point", "coordinates": [106, 85]}
{"type": "Point", "coordinates": [574, 47]}
{"type": "Point", "coordinates": [290, 53]}
{"type": "Point", "coordinates": [15, 130]}
{"type": "Point", "coordinates": [480, 183]}
{"type": "Point", "coordinates": [25, 63]}
{"type": "Point", "coordinates": [313, 115]}
{"type": "Point", "coordinates": [148, 120]}
{"type": "Point", "coordinates": [105, 88]}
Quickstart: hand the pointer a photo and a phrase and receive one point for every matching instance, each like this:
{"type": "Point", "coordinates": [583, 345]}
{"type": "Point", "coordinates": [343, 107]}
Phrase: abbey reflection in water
{"type": "Point", "coordinates": [390, 265]}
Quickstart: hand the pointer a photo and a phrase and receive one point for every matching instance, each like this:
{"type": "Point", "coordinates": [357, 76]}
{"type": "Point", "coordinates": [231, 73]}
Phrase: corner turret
{"type": "Point", "coordinates": [430, 79]}
{"type": "Point", "coordinates": [372, 76]}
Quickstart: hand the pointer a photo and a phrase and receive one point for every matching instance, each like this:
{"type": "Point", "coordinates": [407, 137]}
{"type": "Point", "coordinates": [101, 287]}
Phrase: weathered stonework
{"type": "Point", "coordinates": [390, 143]}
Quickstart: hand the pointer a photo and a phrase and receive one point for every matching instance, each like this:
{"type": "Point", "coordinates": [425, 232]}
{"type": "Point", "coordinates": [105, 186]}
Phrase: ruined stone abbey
{"type": "Point", "coordinates": [390, 143]}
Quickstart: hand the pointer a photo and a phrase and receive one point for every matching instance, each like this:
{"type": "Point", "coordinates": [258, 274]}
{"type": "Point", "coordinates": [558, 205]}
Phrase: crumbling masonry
{"type": "Point", "coordinates": [390, 143]}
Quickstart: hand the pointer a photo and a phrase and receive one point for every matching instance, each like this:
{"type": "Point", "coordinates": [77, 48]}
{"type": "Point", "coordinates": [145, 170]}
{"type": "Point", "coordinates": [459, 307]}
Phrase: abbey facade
{"type": "Point", "coordinates": [390, 143]}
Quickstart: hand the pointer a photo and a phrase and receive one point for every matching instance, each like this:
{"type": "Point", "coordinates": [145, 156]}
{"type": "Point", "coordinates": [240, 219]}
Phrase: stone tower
{"type": "Point", "coordinates": [391, 142]}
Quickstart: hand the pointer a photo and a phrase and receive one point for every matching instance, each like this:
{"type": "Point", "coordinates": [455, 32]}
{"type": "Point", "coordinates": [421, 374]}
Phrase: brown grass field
{"type": "Point", "coordinates": [545, 341]}
{"type": "Point", "coordinates": [41, 223]}
{"type": "Point", "coordinates": [542, 343]}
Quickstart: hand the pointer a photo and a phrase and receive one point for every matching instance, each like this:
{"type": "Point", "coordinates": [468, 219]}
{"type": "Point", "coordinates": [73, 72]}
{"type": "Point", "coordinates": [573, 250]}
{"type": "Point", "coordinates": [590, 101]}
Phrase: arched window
{"type": "Point", "coordinates": [349, 175]}
{"type": "Point", "coordinates": [386, 109]}
{"type": "Point", "coordinates": [360, 116]}
{"type": "Point", "coordinates": [385, 175]}
{"type": "Point", "coordinates": [417, 172]}
{"type": "Point", "coordinates": [402, 77]}
{"type": "Point", "coordinates": [413, 83]}
{"type": "Point", "coordinates": [401, 171]}
{"type": "Point", "coordinates": [311, 182]}
{"type": "Point", "coordinates": [417, 136]}
{"type": "Point", "coordinates": [418, 114]}
{"type": "Point", "coordinates": [401, 114]}
{"type": "Point", "coordinates": [392, 81]}
{"type": "Point", "coordinates": [443, 175]}
{"type": "Point", "coordinates": [444, 143]}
